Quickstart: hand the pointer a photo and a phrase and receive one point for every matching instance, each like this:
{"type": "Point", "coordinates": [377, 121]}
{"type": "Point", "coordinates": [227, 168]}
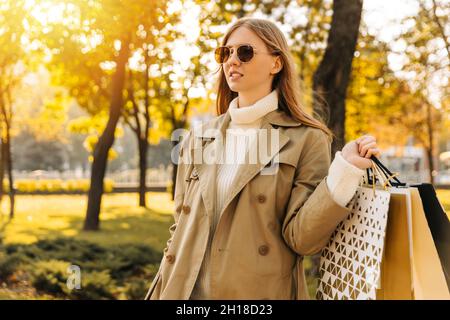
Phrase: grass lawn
{"type": "Point", "coordinates": [122, 221]}
{"type": "Point", "coordinates": [444, 198]}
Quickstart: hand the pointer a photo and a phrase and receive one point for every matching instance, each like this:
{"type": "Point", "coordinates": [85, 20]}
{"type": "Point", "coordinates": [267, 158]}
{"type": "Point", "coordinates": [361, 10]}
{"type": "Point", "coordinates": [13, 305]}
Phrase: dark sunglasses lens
{"type": "Point", "coordinates": [222, 54]}
{"type": "Point", "coordinates": [245, 53]}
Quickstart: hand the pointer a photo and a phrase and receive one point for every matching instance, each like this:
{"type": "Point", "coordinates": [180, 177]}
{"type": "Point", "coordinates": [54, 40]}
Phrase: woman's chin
{"type": "Point", "coordinates": [236, 87]}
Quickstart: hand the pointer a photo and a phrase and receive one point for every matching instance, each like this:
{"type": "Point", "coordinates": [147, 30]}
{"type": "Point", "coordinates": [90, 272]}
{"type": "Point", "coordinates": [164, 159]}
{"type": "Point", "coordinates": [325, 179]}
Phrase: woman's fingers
{"type": "Point", "coordinates": [373, 151]}
{"type": "Point", "coordinates": [366, 147]}
{"type": "Point", "coordinates": [362, 141]}
{"type": "Point", "coordinates": [366, 136]}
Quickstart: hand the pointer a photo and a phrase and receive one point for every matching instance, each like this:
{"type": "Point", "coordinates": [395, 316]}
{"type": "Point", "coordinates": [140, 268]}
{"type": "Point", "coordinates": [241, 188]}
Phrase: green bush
{"type": "Point", "coordinates": [123, 271]}
{"type": "Point", "coordinates": [136, 288]}
{"type": "Point", "coordinates": [8, 264]}
{"type": "Point", "coordinates": [50, 276]}
{"type": "Point", "coordinates": [94, 286]}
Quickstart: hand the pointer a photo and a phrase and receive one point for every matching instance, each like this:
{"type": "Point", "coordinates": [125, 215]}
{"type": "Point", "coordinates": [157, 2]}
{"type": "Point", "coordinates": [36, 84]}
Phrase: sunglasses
{"type": "Point", "coordinates": [245, 53]}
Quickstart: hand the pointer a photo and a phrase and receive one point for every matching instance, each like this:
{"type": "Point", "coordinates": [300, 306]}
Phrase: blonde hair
{"type": "Point", "coordinates": [285, 82]}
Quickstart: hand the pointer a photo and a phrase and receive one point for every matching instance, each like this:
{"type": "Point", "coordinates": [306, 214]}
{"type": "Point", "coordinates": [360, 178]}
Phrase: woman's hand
{"type": "Point", "coordinates": [359, 151]}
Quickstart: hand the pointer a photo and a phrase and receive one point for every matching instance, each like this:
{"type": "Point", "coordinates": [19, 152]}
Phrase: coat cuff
{"type": "Point", "coordinates": [343, 179]}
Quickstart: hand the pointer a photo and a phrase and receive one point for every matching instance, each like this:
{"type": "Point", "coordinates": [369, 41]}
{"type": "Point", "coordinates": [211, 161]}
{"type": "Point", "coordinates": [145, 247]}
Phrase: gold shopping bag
{"type": "Point", "coordinates": [396, 277]}
{"type": "Point", "coordinates": [411, 268]}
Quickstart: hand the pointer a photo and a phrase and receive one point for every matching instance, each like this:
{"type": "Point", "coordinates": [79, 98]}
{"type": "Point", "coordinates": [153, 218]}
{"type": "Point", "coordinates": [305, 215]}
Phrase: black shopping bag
{"type": "Point", "coordinates": [439, 224]}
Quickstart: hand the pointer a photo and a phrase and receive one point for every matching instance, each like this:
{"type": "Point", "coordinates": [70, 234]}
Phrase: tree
{"type": "Point", "coordinates": [143, 92]}
{"type": "Point", "coordinates": [12, 66]}
{"type": "Point", "coordinates": [331, 78]}
{"type": "Point", "coordinates": [372, 95]}
{"type": "Point", "coordinates": [426, 51]}
{"type": "Point", "coordinates": [90, 47]}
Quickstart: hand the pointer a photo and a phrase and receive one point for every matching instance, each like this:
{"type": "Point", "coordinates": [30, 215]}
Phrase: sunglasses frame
{"type": "Point", "coordinates": [255, 51]}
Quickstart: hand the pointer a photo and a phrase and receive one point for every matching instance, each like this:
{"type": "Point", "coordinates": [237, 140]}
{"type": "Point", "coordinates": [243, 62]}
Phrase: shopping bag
{"type": "Point", "coordinates": [350, 263]}
{"type": "Point", "coordinates": [411, 267]}
{"type": "Point", "coordinates": [428, 274]}
{"type": "Point", "coordinates": [396, 276]}
{"type": "Point", "coordinates": [438, 223]}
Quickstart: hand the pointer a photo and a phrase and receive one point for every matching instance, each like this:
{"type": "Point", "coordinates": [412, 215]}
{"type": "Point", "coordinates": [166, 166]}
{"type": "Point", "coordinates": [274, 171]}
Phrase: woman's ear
{"type": "Point", "coordinates": [277, 65]}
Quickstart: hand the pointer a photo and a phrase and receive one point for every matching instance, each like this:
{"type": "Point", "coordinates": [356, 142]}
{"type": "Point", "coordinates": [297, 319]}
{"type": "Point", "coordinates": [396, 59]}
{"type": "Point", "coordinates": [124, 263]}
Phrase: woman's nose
{"type": "Point", "coordinates": [233, 59]}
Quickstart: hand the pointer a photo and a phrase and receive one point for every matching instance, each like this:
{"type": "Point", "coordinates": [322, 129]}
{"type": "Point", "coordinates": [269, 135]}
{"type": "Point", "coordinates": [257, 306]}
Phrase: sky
{"type": "Point", "coordinates": [383, 16]}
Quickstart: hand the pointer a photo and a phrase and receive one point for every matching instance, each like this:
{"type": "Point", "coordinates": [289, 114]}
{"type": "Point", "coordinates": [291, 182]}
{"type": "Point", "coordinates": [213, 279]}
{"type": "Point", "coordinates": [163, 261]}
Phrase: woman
{"type": "Point", "coordinates": [241, 230]}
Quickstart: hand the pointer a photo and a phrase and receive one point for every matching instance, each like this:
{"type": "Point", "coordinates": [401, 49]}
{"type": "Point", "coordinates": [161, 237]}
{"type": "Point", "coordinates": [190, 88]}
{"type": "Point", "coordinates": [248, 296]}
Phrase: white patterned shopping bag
{"type": "Point", "coordinates": [350, 263]}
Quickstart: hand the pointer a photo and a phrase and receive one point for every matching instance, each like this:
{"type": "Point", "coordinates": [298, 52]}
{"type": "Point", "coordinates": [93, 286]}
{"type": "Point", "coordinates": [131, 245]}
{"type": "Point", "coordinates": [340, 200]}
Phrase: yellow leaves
{"type": "Point", "coordinates": [155, 136]}
{"type": "Point", "coordinates": [89, 143]}
{"type": "Point", "coordinates": [49, 124]}
{"type": "Point", "coordinates": [93, 128]}
{"type": "Point", "coordinates": [160, 129]}
{"type": "Point", "coordinates": [88, 125]}
{"type": "Point", "coordinates": [112, 154]}
{"type": "Point", "coordinates": [372, 100]}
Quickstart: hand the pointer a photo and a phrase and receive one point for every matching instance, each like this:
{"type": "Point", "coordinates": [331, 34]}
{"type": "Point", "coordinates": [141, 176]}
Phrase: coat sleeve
{"type": "Point", "coordinates": [312, 214]}
{"type": "Point", "coordinates": [343, 179]}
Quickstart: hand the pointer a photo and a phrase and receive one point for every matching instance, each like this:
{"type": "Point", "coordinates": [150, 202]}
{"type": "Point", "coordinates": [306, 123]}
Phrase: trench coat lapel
{"type": "Point", "coordinates": [247, 171]}
{"type": "Point", "coordinates": [208, 172]}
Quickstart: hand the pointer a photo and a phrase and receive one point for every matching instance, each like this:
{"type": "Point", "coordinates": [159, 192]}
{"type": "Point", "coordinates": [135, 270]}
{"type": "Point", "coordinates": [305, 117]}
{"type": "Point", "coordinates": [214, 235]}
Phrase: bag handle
{"type": "Point", "coordinates": [387, 173]}
{"type": "Point", "coordinates": [377, 172]}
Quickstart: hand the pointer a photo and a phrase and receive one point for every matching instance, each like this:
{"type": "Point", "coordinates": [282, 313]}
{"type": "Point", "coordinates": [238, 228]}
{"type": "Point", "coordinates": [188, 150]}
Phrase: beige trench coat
{"type": "Point", "coordinates": [268, 224]}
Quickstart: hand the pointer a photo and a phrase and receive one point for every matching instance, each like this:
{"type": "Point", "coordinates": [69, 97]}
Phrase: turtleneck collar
{"type": "Point", "coordinates": [253, 113]}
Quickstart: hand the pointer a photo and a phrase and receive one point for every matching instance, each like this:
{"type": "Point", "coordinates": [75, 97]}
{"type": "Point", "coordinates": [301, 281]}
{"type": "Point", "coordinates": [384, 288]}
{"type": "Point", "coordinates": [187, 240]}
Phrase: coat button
{"type": "Point", "coordinates": [271, 225]}
{"type": "Point", "coordinates": [261, 198]}
{"type": "Point", "coordinates": [186, 209]}
{"type": "Point", "coordinates": [170, 258]}
{"type": "Point", "coordinates": [178, 209]}
{"type": "Point", "coordinates": [263, 250]}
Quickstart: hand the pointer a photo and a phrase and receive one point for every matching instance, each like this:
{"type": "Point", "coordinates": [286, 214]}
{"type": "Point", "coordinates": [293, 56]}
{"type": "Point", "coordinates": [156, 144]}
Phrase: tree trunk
{"type": "Point", "coordinates": [2, 168]}
{"type": "Point", "coordinates": [10, 175]}
{"type": "Point", "coordinates": [430, 164]}
{"type": "Point", "coordinates": [330, 81]}
{"type": "Point", "coordinates": [105, 142]}
{"type": "Point", "coordinates": [430, 149]}
{"type": "Point", "coordinates": [143, 148]}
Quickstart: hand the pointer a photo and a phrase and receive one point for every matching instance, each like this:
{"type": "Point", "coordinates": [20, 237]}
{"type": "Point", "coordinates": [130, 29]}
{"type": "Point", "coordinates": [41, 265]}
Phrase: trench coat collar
{"type": "Point", "coordinates": [275, 118]}
{"type": "Point", "coordinates": [207, 173]}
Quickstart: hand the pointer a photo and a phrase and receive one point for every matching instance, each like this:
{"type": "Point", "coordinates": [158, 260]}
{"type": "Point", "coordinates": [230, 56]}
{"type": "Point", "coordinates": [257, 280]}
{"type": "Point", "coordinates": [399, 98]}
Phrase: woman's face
{"type": "Point", "coordinates": [254, 77]}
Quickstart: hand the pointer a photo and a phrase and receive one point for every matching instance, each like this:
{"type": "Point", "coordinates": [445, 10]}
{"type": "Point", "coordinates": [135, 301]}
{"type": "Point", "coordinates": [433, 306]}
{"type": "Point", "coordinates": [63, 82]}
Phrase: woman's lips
{"type": "Point", "coordinates": [235, 76]}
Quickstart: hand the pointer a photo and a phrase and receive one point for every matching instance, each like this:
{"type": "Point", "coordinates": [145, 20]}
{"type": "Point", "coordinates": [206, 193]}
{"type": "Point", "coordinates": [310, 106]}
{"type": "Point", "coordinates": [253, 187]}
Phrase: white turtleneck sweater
{"type": "Point", "coordinates": [342, 180]}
